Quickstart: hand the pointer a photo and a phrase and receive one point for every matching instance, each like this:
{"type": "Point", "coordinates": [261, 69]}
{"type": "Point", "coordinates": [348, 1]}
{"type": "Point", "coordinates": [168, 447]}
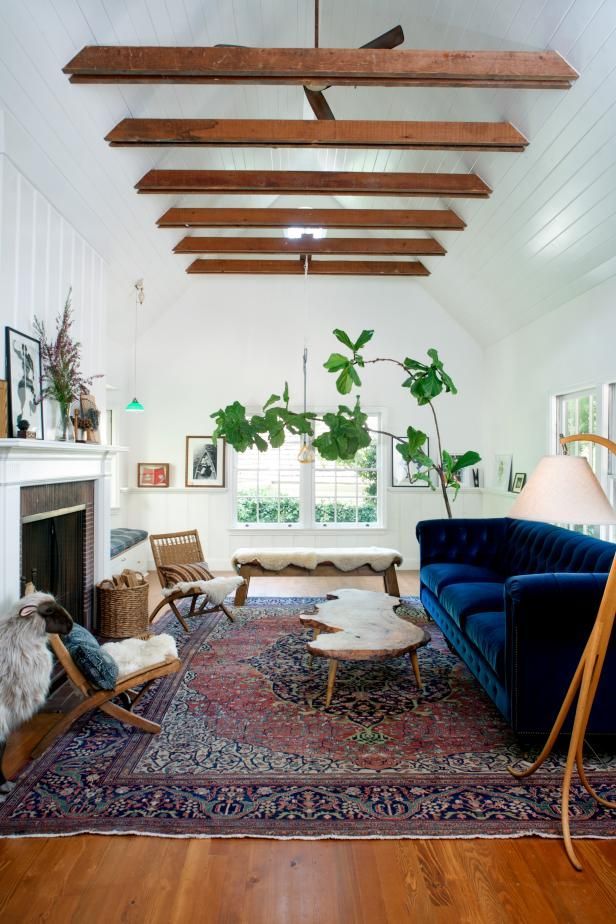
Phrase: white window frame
{"type": "Point", "coordinates": [601, 395]}
{"type": "Point", "coordinates": [307, 496]}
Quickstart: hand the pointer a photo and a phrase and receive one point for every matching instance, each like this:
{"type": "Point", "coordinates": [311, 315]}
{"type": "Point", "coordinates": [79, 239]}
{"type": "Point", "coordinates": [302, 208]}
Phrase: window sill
{"type": "Point", "coordinates": [313, 530]}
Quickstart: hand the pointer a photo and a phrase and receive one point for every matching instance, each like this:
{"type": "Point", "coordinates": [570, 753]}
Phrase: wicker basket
{"type": "Point", "coordinates": [122, 610]}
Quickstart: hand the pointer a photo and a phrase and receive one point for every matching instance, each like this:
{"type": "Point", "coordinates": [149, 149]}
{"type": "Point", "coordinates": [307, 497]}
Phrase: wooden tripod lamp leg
{"type": "Point", "coordinates": [585, 680]}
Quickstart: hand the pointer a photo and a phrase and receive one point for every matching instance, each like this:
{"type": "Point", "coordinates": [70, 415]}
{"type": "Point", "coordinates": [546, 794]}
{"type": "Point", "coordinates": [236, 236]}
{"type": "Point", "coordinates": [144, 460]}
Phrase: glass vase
{"type": "Point", "coordinates": [64, 428]}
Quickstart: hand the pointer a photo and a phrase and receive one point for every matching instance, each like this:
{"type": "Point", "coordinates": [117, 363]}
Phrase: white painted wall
{"type": "Point", "coordinates": [41, 256]}
{"type": "Point", "coordinates": [239, 338]}
{"type": "Point", "coordinates": [569, 349]}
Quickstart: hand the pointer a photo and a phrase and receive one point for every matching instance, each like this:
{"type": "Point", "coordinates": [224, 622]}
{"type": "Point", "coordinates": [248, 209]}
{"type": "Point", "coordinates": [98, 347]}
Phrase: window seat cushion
{"type": "Point", "coordinates": [123, 538]}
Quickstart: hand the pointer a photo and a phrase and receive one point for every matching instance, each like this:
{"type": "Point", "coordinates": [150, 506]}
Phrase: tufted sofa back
{"type": "Point", "coordinates": [536, 548]}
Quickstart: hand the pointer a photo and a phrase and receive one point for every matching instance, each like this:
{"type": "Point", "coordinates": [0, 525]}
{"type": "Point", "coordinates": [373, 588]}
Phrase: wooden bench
{"type": "Point", "coordinates": [287, 562]}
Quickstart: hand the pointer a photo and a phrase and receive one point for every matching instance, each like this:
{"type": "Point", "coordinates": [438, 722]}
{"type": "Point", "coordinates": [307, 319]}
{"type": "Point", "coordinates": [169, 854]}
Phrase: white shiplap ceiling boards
{"type": "Point", "coordinates": [547, 233]}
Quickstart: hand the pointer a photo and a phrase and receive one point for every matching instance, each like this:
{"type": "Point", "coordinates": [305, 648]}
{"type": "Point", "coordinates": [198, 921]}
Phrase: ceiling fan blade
{"type": "Point", "coordinates": [390, 39]}
{"type": "Point", "coordinates": [318, 104]}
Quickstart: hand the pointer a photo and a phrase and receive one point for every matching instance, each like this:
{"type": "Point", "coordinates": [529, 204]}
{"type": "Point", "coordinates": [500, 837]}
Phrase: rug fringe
{"type": "Point", "coordinates": [323, 837]}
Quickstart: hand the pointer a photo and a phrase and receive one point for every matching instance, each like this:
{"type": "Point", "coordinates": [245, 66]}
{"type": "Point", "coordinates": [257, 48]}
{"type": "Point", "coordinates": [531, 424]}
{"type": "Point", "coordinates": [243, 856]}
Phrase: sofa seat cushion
{"type": "Point", "coordinates": [487, 631]}
{"type": "Point", "coordinates": [438, 576]}
{"type": "Point", "coordinates": [460, 600]}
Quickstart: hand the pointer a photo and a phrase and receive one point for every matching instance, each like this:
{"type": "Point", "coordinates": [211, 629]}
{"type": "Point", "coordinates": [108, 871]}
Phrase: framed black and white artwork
{"type": "Point", "coordinates": [399, 469]}
{"type": "Point", "coordinates": [23, 373]}
{"type": "Point", "coordinates": [205, 462]}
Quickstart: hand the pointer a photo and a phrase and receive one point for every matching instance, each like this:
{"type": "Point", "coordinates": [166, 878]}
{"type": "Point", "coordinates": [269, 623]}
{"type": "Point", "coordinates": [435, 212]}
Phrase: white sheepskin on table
{"type": "Point", "coordinates": [135, 654]}
{"type": "Point", "coordinates": [343, 559]}
{"type": "Point", "coordinates": [215, 590]}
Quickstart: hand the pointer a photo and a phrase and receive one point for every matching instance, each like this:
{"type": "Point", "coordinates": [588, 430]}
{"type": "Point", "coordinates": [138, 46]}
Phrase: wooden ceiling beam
{"type": "Point", "coordinates": [425, 246]}
{"type": "Point", "coordinates": [297, 133]}
{"type": "Point", "coordinates": [312, 182]}
{"type": "Point", "coordinates": [329, 66]}
{"type": "Point", "coordinates": [315, 267]}
{"type": "Point", "coordinates": [401, 219]}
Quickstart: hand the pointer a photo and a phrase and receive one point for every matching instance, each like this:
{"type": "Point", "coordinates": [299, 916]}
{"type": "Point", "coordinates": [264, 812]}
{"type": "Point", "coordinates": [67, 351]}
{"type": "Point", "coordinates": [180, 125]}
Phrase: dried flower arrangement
{"type": "Point", "coordinates": [63, 379]}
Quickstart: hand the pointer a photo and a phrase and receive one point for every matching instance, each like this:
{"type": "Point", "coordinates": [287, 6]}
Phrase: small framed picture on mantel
{"type": "Point", "coordinates": [205, 462]}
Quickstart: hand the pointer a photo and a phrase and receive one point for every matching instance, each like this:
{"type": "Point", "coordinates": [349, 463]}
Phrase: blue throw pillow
{"type": "Point", "coordinates": [95, 664]}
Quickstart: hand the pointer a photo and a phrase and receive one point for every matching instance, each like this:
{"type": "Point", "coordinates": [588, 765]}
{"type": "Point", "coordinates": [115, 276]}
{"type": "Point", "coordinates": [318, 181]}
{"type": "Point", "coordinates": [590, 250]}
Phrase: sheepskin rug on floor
{"type": "Point", "coordinates": [248, 749]}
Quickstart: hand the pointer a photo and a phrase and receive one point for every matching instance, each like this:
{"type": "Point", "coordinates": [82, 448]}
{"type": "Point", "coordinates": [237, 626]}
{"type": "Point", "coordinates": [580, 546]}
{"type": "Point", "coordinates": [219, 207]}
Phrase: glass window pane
{"type": "Point", "coordinates": [268, 485]}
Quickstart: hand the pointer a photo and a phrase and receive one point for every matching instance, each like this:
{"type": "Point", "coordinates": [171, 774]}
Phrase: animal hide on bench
{"type": "Point", "coordinates": [215, 590]}
{"type": "Point", "coordinates": [344, 559]}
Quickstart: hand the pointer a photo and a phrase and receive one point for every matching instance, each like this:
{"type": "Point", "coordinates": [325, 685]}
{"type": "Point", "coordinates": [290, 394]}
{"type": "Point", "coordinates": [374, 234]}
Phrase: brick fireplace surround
{"type": "Point", "coordinates": [24, 463]}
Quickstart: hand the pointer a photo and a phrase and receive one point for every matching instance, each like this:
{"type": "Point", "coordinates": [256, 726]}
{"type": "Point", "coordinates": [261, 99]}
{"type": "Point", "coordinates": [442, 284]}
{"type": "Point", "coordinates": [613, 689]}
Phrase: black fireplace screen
{"type": "Point", "coordinates": [52, 555]}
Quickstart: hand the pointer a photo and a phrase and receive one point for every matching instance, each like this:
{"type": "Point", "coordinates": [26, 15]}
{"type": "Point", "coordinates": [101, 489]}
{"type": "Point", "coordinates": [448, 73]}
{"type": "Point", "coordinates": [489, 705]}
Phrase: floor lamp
{"type": "Point", "coordinates": [564, 489]}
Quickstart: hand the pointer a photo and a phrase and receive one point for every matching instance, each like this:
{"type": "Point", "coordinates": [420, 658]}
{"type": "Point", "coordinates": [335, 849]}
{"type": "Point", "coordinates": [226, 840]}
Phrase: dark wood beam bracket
{"type": "Point", "coordinates": [435, 219]}
{"type": "Point", "coordinates": [297, 133]}
{"type": "Point", "coordinates": [381, 246]}
{"type": "Point", "coordinates": [312, 182]}
{"type": "Point", "coordinates": [315, 267]}
{"type": "Point", "coordinates": [329, 66]}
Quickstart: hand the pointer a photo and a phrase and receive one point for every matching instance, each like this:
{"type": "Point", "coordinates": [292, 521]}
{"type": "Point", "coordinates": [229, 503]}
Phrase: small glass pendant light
{"type": "Point", "coordinates": [135, 406]}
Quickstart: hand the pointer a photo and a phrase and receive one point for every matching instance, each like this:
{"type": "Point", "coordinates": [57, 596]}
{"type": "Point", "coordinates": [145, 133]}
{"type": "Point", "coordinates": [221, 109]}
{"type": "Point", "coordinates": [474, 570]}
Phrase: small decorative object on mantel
{"type": "Point", "coordinates": [502, 472]}
{"type": "Point", "coordinates": [23, 372]}
{"type": "Point", "coordinates": [152, 474]}
{"type": "Point", "coordinates": [205, 462]}
{"type": "Point", "coordinates": [88, 418]}
{"type": "Point", "coordinates": [62, 375]}
{"type": "Point", "coordinates": [23, 431]}
{"type": "Point", "coordinates": [519, 480]}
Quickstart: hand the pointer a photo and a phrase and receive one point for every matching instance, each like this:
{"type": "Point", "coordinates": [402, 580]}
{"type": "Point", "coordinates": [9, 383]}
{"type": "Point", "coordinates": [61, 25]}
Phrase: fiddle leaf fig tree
{"type": "Point", "coordinates": [346, 430]}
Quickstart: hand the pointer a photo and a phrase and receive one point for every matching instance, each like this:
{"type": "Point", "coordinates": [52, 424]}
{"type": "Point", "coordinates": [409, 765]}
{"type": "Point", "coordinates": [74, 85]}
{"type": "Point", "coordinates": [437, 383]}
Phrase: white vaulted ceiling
{"type": "Point", "coordinates": [547, 233]}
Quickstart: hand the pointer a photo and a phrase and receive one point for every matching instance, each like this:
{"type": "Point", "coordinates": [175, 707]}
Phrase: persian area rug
{"type": "Point", "coordinates": [248, 749]}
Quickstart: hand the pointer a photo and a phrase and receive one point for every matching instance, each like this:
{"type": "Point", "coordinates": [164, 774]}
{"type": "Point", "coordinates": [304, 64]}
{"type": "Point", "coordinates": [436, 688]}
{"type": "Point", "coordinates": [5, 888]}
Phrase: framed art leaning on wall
{"type": "Point", "coordinates": [23, 373]}
{"type": "Point", "coordinates": [205, 462]}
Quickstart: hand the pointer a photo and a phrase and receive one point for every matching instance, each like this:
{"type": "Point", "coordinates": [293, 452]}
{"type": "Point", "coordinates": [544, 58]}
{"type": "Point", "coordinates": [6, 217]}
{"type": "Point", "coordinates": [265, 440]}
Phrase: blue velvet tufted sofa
{"type": "Point", "coordinates": [517, 600]}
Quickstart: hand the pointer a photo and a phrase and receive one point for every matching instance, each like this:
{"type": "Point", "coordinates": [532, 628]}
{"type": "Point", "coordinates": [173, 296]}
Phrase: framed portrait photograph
{"type": "Point", "coordinates": [399, 470]}
{"type": "Point", "coordinates": [152, 474]}
{"type": "Point", "coordinates": [23, 374]}
{"type": "Point", "coordinates": [205, 462]}
{"type": "Point", "coordinates": [502, 472]}
{"type": "Point", "coordinates": [519, 480]}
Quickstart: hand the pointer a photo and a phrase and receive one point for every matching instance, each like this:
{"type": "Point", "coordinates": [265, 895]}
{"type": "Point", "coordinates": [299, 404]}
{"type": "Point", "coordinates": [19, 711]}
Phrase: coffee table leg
{"type": "Point", "coordinates": [331, 679]}
{"type": "Point", "coordinates": [315, 633]}
{"type": "Point", "coordinates": [415, 663]}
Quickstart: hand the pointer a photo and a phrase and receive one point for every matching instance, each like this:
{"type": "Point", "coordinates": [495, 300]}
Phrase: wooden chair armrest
{"type": "Point", "coordinates": [160, 669]}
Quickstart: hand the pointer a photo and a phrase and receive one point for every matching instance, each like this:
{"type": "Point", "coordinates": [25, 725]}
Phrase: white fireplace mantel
{"type": "Point", "coordinates": [31, 462]}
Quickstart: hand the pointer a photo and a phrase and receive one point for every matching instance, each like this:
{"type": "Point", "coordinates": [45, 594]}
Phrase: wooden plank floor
{"type": "Point", "coordinates": [94, 878]}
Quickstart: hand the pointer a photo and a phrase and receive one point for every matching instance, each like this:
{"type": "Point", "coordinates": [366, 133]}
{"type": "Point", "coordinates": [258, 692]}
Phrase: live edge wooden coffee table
{"type": "Point", "coordinates": [360, 625]}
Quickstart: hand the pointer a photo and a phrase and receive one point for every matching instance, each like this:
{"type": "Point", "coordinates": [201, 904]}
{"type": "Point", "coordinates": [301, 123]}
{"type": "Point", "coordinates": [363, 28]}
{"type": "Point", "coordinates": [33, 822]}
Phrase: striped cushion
{"type": "Point", "coordinates": [197, 571]}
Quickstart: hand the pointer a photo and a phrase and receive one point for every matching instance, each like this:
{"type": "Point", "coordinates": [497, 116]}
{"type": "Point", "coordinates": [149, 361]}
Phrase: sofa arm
{"type": "Point", "coordinates": [466, 541]}
{"type": "Point", "coordinates": [548, 620]}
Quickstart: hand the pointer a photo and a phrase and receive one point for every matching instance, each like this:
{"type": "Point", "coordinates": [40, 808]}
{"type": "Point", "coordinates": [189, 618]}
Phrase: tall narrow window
{"type": "Point", "coordinates": [268, 486]}
{"type": "Point", "coordinates": [577, 412]}
{"type": "Point", "coordinates": [347, 493]}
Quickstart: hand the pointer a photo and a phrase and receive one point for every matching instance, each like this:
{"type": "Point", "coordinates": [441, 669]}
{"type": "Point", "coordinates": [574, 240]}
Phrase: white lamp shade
{"type": "Point", "coordinates": [564, 489]}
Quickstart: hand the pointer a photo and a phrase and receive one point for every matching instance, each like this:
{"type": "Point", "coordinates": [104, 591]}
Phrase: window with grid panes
{"type": "Point", "coordinates": [274, 489]}
{"type": "Point", "coordinates": [577, 412]}
{"type": "Point", "coordinates": [347, 493]}
{"type": "Point", "coordinates": [268, 486]}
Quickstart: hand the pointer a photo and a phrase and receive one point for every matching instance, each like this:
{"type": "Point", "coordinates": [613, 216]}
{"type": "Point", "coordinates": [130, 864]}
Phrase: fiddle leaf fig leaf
{"type": "Point", "coordinates": [285, 394]}
{"type": "Point", "coordinates": [335, 362]}
{"type": "Point", "coordinates": [344, 382]}
{"type": "Point", "coordinates": [343, 338]}
{"type": "Point", "coordinates": [362, 340]}
{"type": "Point", "coordinates": [271, 400]}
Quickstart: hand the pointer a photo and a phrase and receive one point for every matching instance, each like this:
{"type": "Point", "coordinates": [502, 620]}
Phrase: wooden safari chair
{"type": "Point", "coordinates": [174, 554]}
{"type": "Point", "coordinates": [93, 698]}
